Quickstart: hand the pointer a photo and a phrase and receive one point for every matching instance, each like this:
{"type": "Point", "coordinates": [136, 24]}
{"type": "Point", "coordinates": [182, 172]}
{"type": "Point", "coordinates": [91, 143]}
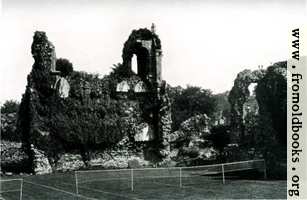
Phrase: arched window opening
{"type": "Point", "coordinates": [252, 88]}
{"type": "Point", "coordinates": [134, 64]}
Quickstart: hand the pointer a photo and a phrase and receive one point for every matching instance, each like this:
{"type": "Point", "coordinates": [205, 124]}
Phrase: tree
{"type": "Point", "coordinates": [8, 121]}
{"type": "Point", "coordinates": [251, 130]}
{"type": "Point", "coordinates": [271, 94]}
{"type": "Point", "coordinates": [10, 106]}
{"type": "Point", "coordinates": [222, 107]}
{"type": "Point", "coordinates": [220, 137]}
{"type": "Point", "coordinates": [64, 66]}
{"type": "Point", "coordinates": [191, 101]}
{"type": "Point", "coordinates": [119, 70]}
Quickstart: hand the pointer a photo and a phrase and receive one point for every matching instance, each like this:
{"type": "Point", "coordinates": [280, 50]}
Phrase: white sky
{"type": "Point", "coordinates": [204, 44]}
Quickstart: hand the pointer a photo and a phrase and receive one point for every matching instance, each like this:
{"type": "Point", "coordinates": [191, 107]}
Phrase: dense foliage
{"type": "Point", "coordinates": [272, 98]}
{"type": "Point", "coordinates": [189, 102]}
{"type": "Point", "coordinates": [84, 127]}
{"type": "Point", "coordinates": [271, 94]}
{"type": "Point", "coordinates": [9, 106]}
{"type": "Point", "coordinates": [220, 136]}
{"type": "Point", "coordinates": [64, 66]}
{"type": "Point", "coordinates": [8, 121]}
{"type": "Point", "coordinates": [87, 120]}
{"type": "Point", "coordinates": [222, 110]}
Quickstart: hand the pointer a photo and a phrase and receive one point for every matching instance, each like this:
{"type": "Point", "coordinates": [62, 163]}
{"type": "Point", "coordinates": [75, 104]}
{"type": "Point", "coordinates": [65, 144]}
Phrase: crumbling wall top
{"type": "Point", "coordinates": [43, 52]}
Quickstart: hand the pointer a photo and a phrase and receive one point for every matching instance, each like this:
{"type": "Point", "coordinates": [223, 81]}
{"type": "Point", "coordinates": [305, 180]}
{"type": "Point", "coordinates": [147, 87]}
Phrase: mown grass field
{"type": "Point", "coordinates": [61, 186]}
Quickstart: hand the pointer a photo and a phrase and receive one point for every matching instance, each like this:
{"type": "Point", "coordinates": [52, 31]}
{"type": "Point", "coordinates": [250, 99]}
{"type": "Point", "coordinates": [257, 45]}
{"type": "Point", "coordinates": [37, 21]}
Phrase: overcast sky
{"type": "Point", "coordinates": [205, 43]}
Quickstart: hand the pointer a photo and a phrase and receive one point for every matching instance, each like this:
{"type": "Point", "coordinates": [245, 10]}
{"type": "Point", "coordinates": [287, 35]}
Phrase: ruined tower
{"type": "Point", "coordinates": [147, 84]}
{"type": "Point", "coordinates": [146, 45]}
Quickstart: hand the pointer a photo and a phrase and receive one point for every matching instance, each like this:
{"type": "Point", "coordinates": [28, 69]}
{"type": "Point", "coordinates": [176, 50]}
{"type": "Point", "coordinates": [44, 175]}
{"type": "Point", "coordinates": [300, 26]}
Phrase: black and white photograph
{"type": "Point", "coordinates": [151, 100]}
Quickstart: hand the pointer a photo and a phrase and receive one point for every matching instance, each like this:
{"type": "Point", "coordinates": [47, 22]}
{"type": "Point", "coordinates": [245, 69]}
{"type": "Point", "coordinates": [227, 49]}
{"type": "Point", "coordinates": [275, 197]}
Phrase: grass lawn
{"type": "Point", "coordinates": [61, 186]}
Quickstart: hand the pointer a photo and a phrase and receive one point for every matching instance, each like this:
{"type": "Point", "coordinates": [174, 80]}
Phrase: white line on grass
{"type": "Point", "coordinates": [128, 179]}
{"type": "Point", "coordinates": [172, 185]}
{"type": "Point", "coordinates": [95, 190]}
{"type": "Point", "coordinates": [104, 179]}
{"type": "Point", "coordinates": [9, 191]}
{"type": "Point", "coordinates": [63, 191]}
{"type": "Point", "coordinates": [6, 180]}
{"type": "Point", "coordinates": [111, 193]}
{"type": "Point", "coordinates": [145, 177]}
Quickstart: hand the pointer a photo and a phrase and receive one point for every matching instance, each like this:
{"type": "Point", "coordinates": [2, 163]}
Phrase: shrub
{"type": "Point", "coordinates": [189, 102]}
{"type": "Point", "coordinates": [64, 66]}
{"type": "Point", "coordinates": [134, 163]}
{"type": "Point", "coordinates": [220, 136]}
{"type": "Point", "coordinates": [9, 106]}
{"type": "Point", "coordinates": [9, 120]}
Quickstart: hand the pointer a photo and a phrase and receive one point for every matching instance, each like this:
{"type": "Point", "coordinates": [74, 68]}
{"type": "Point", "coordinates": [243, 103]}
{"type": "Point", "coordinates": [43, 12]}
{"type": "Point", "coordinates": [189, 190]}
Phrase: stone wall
{"type": "Point", "coordinates": [238, 96]}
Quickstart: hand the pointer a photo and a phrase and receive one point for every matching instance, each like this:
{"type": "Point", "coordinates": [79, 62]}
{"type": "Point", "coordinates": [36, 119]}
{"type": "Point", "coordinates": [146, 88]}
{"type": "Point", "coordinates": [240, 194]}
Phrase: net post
{"type": "Point", "coordinates": [132, 187]}
{"type": "Point", "coordinates": [76, 181]}
{"type": "Point", "coordinates": [223, 173]}
{"type": "Point", "coordinates": [264, 170]}
{"type": "Point", "coordinates": [21, 186]}
{"type": "Point", "coordinates": [180, 177]}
